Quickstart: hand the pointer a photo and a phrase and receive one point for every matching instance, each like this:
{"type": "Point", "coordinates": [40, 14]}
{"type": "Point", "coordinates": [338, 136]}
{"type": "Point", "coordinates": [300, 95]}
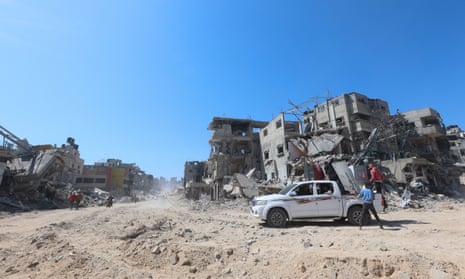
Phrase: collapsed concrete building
{"type": "Point", "coordinates": [31, 173]}
{"type": "Point", "coordinates": [353, 128]}
{"type": "Point", "coordinates": [425, 153]}
{"type": "Point", "coordinates": [456, 138]}
{"type": "Point", "coordinates": [194, 175]}
{"type": "Point", "coordinates": [41, 176]}
{"type": "Point", "coordinates": [431, 141]}
{"type": "Point", "coordinates": [235, 148]}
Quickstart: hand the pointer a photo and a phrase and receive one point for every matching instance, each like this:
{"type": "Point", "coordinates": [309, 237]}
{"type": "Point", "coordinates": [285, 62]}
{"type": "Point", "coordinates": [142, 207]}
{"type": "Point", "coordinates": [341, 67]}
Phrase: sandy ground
{"type": "Point", "coordinates": [172, 238]}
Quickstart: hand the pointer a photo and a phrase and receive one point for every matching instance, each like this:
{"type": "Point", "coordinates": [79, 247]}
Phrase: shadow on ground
{"type": "Point", "coordinates": [388, 225]}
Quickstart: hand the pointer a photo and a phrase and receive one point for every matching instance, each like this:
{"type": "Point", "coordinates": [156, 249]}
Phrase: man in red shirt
{"type": "Point", "coordinates": [72, 199]}
{"type": "Point", "coordinates": [376, 179]}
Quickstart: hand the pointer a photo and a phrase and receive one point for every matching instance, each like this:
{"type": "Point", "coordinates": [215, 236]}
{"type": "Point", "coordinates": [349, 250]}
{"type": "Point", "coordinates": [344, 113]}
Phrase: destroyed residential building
{"type": "Point", "coordinates": [431, 141]}
{"type": "Point", "coordinates": [41, 176]}
{"type": "Point", "coordinates": [194, 174]}
{"type": "Point", "coordinates": [274, 139]}
{"type": "Point", "coordinates": [351, 115]}
{"type": "Point", "coordinates": [425, 151]}
{"type": "Point", "coordinates": [34, 172]}
{"type": "Point", "coordinates": [456, 138]}
{"type": "Point", "coordinates": [235, 148]}
{"type": "Point", "coordinates": [349, 128]}
{"type": "Point", "coordinates": [339, 126]}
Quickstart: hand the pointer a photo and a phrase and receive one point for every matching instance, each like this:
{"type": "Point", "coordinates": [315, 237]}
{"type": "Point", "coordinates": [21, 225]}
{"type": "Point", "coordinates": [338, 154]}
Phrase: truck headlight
{"type": "Point", "coordinates": [261, 202]}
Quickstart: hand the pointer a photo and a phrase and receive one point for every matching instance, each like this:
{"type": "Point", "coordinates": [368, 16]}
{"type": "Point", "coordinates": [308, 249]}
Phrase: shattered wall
{"type": "Point", "coordinates": [275, 149]}
{"type": "Point", "coordinates": [406, 170]}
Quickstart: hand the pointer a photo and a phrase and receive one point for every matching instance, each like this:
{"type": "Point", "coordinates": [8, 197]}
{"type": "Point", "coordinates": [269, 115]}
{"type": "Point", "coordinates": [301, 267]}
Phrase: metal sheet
{"type": "Point", "coordinates": [346, 176]}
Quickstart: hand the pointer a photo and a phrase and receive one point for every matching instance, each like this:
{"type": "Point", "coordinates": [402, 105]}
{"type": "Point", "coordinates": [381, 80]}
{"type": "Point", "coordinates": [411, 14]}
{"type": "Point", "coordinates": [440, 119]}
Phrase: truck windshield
{"type": "Point", "coordinates": [286, 189]}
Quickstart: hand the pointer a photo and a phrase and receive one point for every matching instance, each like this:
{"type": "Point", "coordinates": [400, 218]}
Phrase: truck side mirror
{"type": "Point", "coordinates": [292, 194]}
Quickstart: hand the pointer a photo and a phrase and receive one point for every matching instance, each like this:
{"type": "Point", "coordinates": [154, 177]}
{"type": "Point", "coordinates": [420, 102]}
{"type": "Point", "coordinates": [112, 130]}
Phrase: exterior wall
{"type": "Point", "coordinates": [427, 121]}
{"type": "Point", "coordinates": [275, 151]}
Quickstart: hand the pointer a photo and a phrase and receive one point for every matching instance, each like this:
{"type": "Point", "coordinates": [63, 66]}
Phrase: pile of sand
{"type": "Point", "coordinates": [171, 238]}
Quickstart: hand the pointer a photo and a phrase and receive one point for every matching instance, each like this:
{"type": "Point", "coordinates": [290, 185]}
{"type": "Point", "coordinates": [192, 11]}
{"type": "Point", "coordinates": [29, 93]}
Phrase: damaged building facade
{"type": "Point", "coordinates": [274, 139]}
{"type": "Point", "coordinates": [194, 175]}
{"type": "Point", "coordinates": [352, 127]}
{"type": "Point", "coordinates": [456, 138]}
{"type": "Point", "coordinates": [352, 115]}
{"type": "Point", "coordinates": [235, 148]}
{"type": "Point", "coordinates": [426, 150]}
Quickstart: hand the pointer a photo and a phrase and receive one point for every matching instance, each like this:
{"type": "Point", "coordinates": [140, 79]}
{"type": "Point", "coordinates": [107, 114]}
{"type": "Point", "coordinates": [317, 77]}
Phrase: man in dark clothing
{"type": "Point", "coordinates": [367, 197]}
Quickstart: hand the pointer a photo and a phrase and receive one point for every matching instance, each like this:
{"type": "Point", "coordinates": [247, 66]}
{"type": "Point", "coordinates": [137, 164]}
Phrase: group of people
{"type": "Point", "coordinates": [75, 198]}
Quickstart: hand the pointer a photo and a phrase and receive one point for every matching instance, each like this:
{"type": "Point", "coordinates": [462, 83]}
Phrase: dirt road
{"type": "Point", "coordinates": [171, 238]}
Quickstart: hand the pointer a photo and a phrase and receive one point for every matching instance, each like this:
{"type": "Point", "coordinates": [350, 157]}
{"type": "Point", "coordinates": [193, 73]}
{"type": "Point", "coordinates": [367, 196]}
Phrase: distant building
{"type": "Point", "coordinates": [113, 175]}
{"type": "Point", "coordinates": [194, 174]}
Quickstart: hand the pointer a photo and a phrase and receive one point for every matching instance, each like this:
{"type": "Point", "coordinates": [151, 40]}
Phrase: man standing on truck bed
{"type": "Point", "coordinates": [367, 197]}
{"type": "Point", "coordinates": [376, 179]}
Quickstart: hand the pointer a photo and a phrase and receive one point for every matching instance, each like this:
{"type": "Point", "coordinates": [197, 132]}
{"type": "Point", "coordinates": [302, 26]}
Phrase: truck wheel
{"type": "Point", "coordinates": [276, 218]}
{"type": "Point", "coordinates": [355, 213]}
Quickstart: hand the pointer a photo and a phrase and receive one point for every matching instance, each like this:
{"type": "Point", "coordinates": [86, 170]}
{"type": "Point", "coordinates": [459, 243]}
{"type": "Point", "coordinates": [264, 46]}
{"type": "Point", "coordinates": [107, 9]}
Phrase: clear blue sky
{"type": "Point", "coordinates": [141, 80]}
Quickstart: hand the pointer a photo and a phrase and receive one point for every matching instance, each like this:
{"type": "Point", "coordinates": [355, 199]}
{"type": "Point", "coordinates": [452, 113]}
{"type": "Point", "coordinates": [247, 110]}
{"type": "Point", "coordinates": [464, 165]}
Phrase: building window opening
{"type": "Point", "coordinates": [280, 149]}
{"type": "Point", "coordinates": [266, 154]}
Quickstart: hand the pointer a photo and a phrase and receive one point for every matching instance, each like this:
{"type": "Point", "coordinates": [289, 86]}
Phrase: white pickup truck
{"type": "Point", "coordinates": [314, 199]}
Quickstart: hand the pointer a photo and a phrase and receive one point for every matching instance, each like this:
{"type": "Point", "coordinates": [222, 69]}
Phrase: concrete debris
{"type": "Point", "coordinates": [313, 146]}
{"type": "Point", "coordinates": [343, 134]}
{"type": "Point", "coordinates": [12, 203]}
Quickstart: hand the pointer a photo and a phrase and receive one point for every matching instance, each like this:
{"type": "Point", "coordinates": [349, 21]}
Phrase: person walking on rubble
{"type": "Point", "coordinates": [376, 179]}
{"type": "Point", "coordinates": [366, 194]}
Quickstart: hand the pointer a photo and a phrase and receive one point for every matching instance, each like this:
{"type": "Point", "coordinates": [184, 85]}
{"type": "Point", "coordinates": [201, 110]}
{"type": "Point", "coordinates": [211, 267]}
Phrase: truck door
{"type": "Point", "coordinates": [303, 205]}
{"type": "Point", "coordinates": [328, 200]}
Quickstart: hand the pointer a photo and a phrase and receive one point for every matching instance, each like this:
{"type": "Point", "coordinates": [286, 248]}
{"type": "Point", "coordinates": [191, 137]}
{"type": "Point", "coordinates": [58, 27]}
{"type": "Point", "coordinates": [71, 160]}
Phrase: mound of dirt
{"type": "Point", "coordinates": [175, 238]}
